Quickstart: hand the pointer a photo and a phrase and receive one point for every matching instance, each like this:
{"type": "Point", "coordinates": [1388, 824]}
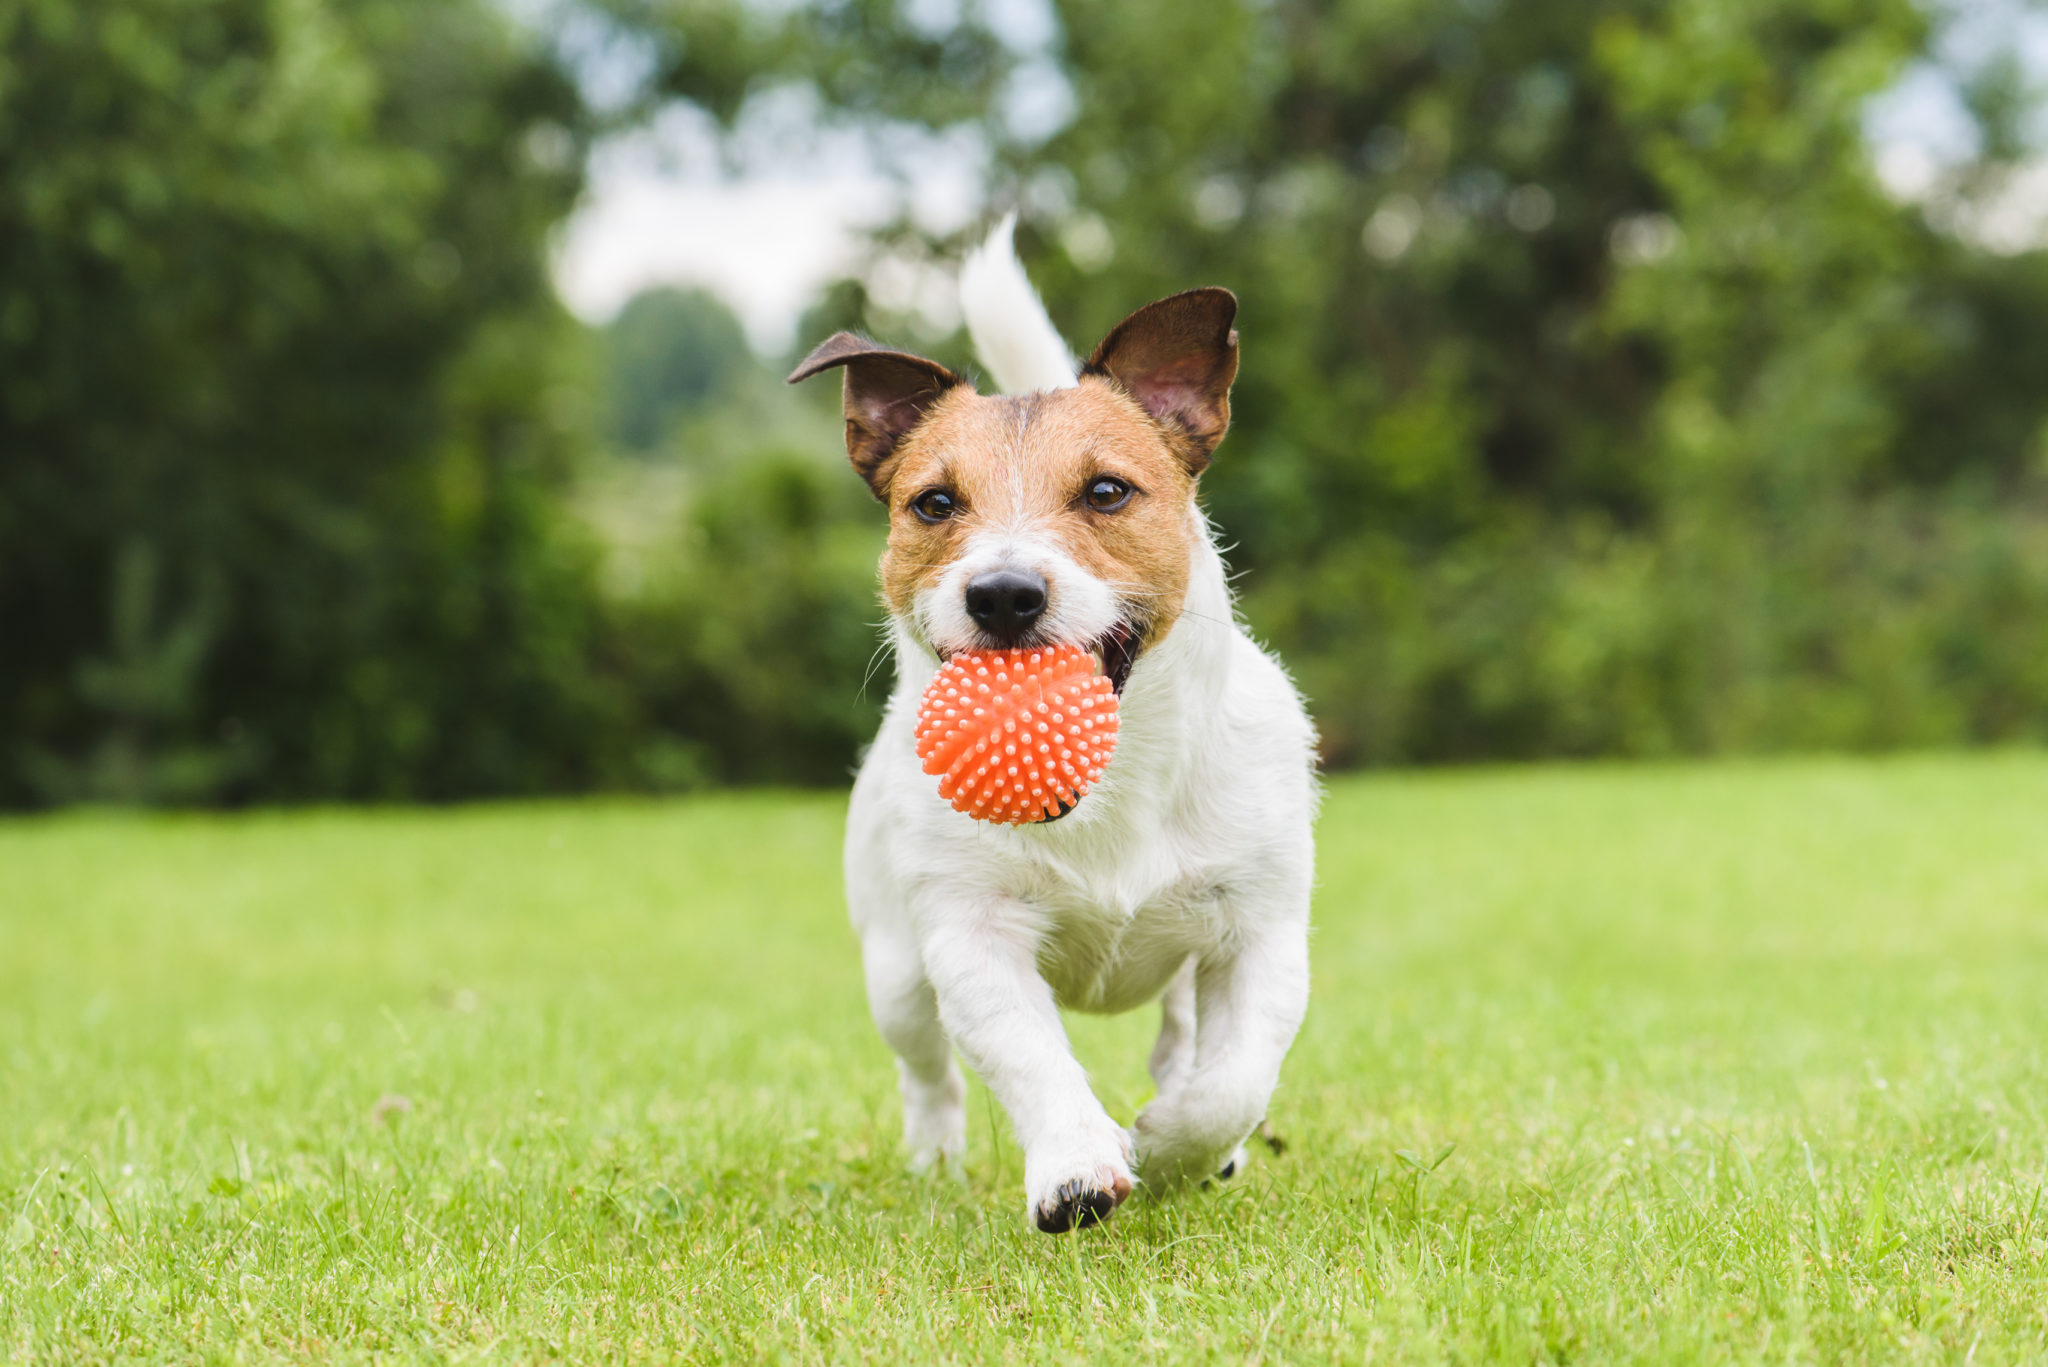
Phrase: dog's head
{"type": "Point", "coordinates": [1061, 517]}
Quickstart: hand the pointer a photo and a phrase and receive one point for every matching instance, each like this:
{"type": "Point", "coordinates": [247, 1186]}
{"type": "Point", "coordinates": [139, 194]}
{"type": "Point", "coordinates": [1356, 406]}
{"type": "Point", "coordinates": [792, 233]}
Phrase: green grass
{"type": "Point", "coordinates": [1726, 1063]}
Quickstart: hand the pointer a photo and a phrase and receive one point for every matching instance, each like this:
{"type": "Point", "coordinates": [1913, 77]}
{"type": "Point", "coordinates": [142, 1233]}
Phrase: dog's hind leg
{"type": "Point", "coordinates": [1173, 1053]}
{"type": "Point", "coordinates": [934, 1093]}
{"type": "Point", "coordinates": [1249, 999]}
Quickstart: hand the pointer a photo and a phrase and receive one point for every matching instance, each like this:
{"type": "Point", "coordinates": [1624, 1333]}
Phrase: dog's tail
{"type": "Point", "coordinates": [1015, 340]}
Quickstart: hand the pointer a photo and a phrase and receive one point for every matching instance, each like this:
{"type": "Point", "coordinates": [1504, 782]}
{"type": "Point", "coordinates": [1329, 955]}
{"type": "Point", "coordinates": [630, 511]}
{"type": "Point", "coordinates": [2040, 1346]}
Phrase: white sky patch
{"type": "Point", "coordinates": [787, 214]}
{"type": "Point", "coordinates": [768, 226]}
{"type": "Point", "coordinates": [767, 244]}
{"type": "Point", "coordinates": [2007, 215]}
{"type": "Point", "coordinates": [1924, 141]}
{"type": "Point", "coordinates": [1917, 128]}
{"type": "Point", "coordinates": [663, 208]}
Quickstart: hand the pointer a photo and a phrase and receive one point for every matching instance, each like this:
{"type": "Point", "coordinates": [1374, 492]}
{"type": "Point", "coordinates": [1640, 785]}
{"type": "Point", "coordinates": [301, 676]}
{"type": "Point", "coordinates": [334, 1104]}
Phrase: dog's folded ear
{"type": "Point", "coordinates": [1177, 358]}
{"type": "Point", "coordinates": [887, 393]}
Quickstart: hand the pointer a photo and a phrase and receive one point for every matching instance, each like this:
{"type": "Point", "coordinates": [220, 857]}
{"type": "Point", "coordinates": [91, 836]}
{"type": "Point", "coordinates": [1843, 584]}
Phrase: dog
{"type": "Point", "coordinates": [1063, 510]}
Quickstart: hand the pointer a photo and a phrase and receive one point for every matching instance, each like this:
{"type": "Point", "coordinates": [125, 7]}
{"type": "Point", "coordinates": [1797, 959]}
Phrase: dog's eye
{"type": "Point", "coordinates": [1106, 495]}
{"type": "Point", "coordinates": [933, 505]}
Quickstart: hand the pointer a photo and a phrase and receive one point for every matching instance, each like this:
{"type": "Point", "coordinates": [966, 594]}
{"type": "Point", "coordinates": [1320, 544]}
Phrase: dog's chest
{"type": "Point", "coordinates": [1114, 935]}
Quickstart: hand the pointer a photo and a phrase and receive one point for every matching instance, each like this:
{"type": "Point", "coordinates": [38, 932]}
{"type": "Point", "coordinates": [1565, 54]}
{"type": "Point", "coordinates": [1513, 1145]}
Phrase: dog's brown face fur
{"type": "Point", "coordinates": [1031, 460]}
{"type": "Point", "coordinates": [1091, 487]}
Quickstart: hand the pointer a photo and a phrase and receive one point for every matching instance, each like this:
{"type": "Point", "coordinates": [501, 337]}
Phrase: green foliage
{"type": "Point", "coordinates": [741, 604]}
{"type": "Point", "coordinates": [757, 644]}
{"type": "Point", "coordinates": [282, 406]}
{"type": "Point", "coordinates": [669, 353]}
{"type": "Point", "coordinates": [1595, 397]}
{"type": "Point", "coordinates": [146, 686]}
{"type": "Point", "coordinates": [1731, 1063]}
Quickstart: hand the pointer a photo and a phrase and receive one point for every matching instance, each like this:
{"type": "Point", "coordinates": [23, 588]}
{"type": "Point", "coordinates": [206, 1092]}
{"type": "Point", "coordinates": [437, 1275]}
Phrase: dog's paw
{"type": "Point", "coordinates": [1177, 1148]}
{"type": "Point", "coordinates": [1078, 1178]}
{"type": "Point", "coordinates": [1165, 1171]}
{"type": "Point", "coordinates": [1076, 1205]}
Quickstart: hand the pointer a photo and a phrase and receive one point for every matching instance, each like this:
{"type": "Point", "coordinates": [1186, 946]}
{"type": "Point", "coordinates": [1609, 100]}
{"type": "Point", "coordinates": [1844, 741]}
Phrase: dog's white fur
{"type": "Point", "coordinates": [1015, 340]}
{"type": "Point", "coordinates": [1184, 876]}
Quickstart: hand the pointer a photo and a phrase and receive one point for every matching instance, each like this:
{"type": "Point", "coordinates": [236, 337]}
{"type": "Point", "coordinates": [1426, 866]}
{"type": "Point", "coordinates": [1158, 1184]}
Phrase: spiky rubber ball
{"type": "Point", "coordinates": [1017, 736]}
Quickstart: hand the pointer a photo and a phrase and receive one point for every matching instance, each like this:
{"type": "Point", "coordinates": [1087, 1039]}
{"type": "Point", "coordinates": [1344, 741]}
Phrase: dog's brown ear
{"type": "Point", "coordinates": [887, 393]}
{"type": "Point", "coordinates": [1177, 358]}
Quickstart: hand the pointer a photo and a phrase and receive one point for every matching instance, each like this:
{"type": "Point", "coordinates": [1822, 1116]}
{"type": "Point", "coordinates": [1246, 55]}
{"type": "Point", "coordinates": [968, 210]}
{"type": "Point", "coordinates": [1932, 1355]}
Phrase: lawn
{"type": "Point", "coordinates": [1740, 1062]}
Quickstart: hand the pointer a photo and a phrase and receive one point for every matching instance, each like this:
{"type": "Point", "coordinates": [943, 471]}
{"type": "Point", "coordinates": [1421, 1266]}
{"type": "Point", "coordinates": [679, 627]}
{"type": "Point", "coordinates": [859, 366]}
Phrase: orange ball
{"type": "Point", "coordinates": [1016, 735]}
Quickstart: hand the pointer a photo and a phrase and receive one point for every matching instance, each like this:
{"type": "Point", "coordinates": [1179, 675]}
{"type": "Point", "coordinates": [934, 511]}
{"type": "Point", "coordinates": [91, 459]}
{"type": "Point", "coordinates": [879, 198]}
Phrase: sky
{"type": "Point", "coordinates": [766, 242]}
{"type": "Point", "coordinates": [664, 207]}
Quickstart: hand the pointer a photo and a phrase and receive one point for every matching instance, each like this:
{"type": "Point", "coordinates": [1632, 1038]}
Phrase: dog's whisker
{"type": "Point", "coordinates": [1126, 589]}
{"type": "Point", "coordinates": [874, 663]}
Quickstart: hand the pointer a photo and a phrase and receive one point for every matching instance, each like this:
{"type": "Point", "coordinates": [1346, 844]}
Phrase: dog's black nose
{"type": "Point", "coordinates": [1005, 603]}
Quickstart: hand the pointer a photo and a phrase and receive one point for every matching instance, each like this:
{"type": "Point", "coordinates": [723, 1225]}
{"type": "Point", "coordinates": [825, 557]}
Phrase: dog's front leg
{"type": "Point", "coordinates": [1249, 1001]}
{"type": "Point", "coordinates": [982, 962]}
{"type": "Point", "coordinates": [934, 1095]}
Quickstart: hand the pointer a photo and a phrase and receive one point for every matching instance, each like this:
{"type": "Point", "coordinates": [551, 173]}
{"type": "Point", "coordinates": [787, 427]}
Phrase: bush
{"type": "Point", "coordinates": [1595, 399]}
{"type": "Point", "coordinates": [283, 413]}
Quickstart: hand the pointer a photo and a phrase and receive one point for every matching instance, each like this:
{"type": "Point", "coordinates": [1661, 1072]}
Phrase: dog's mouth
{"type": "Point", "coordinates": [1115, 651]}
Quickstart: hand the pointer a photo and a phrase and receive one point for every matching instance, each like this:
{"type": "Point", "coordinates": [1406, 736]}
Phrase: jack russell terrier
{"type": "Point", "coordinates": [1063, 511]}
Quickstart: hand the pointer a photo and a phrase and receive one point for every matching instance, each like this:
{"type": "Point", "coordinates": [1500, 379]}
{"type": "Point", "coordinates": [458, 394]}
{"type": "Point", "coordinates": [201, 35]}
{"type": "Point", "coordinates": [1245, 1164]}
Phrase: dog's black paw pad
{"type": "Point", "coordinates": [1075, 1204]}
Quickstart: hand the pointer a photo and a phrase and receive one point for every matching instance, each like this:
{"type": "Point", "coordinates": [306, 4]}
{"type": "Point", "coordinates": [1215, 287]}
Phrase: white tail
{"type": "Point", "coordinates": [1015, 340]}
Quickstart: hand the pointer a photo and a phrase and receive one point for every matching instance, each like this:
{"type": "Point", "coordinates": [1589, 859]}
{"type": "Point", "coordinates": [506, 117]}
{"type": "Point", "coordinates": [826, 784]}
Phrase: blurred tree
{"type": "Point", "coordinates": [757, 647]}
{"type": "Point", "coordinates": [1590, 377]}
{"type": "Point", "coordinates": [669, 353]}
{"type": "Point", "coordinates": [146, 685]}
{"type": "Point", "coordinates": [1596, 398]}
{"type": "Point", "coordinates": [284, 402]}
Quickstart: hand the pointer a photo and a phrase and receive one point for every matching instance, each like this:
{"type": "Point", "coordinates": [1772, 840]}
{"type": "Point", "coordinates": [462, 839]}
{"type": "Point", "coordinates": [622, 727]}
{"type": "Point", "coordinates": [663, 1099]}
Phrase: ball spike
{"type": "Point", "coordinates": [1016, 736]}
